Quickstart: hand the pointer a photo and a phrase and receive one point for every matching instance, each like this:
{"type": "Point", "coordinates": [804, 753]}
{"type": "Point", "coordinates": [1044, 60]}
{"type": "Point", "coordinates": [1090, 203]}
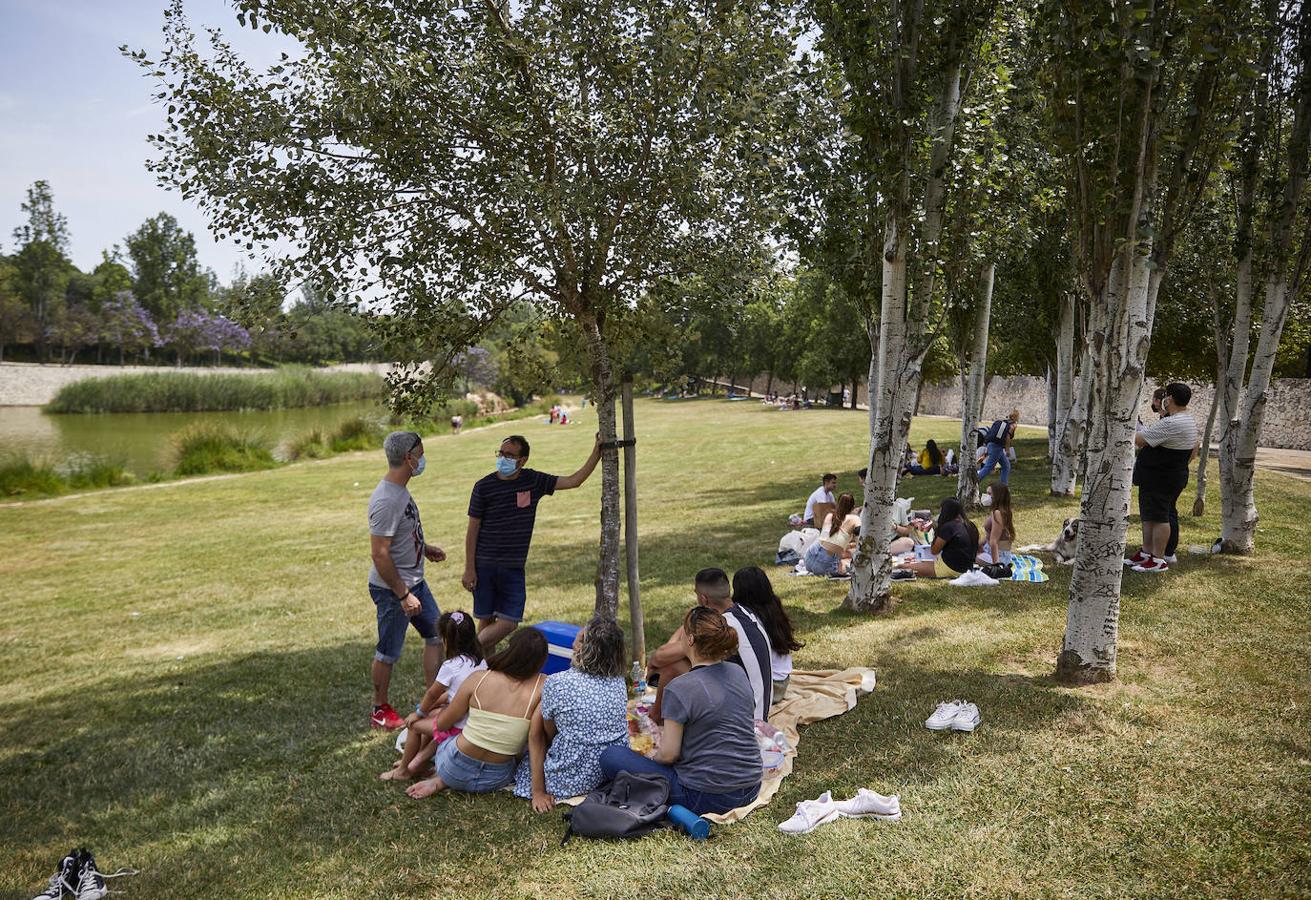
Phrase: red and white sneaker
{"type": "Point", "coordinates": [1137, 559]}
{"type": "Point", "coordinates": [385, 717]}
{"type": "Point", "coordinates": [1153, 564]}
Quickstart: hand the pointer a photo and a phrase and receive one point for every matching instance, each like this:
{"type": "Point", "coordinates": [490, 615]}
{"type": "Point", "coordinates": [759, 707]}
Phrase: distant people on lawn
{"type": "Point", "coordinates": [955, 544]}
{"type": "Point", "coordinates": [1165, 450]}
{"type": "Point", "coordinates": [499, 705]}
{"type": "Point", "coordinates": [457, 424]}
{"type": "Point", "coordinates": [584, 710]}
{"type": "Point", "coordinates": [831, 554]}
{"type": "Point", "coordinates": [998, 441]}
{"type": "Point", "coordinates": [752, 653]}
{"type": "Point", "coordinates": [708, 749]}
{"type": "Point", "coordinates": [400, 595]}
{"type": "Point", "coordinates": [929, 462]}
{"type": "Point", "coordinates": [502, 512]}
{"type": "Point", "coordinates": [822, 494]}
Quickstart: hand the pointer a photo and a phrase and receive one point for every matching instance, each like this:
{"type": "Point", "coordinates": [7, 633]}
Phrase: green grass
{"type": "Point", "coordinates": [206, 447]}
{"type": "Point", "coordinates": [23, 476]}
{"type": "Point", "coordinates": [164, 391]}
{"type": "Point", "coordinates": [188, 683]}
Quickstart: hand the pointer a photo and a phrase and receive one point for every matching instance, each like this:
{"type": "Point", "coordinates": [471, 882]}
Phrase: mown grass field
{"type": "Point", "coordinates": [184, 689]}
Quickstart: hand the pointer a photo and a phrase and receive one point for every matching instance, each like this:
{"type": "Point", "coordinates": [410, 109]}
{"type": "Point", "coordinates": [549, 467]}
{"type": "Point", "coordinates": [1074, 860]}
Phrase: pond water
{"type": "Point", "coordinates": [140, 441]}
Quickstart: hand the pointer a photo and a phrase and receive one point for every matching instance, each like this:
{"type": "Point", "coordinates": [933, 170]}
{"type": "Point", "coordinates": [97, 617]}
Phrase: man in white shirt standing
{"type": "Point", "coordinates": [1166, 448]}
{"type": "Point", "coordinates": [822, 494]}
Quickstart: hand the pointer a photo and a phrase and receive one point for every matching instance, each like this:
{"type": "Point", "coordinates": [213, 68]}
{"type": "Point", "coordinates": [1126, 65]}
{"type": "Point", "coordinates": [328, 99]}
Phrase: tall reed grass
{"type": "Point", "coordinates": [23, 475]}
{"type": "Point", "coordinates": [293, 386]}
{"type": "Point", "coordinates": [207, 447]}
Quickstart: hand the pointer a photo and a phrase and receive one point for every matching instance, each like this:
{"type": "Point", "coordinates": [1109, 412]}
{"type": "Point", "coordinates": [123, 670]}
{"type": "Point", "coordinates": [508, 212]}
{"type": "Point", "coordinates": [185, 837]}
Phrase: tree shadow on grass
{"type": "Point", "coordinates": [260, 767]}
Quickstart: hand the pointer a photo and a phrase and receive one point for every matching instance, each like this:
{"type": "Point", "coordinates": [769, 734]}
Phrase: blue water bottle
{"type": "Point", "coordinates": [697, 828]}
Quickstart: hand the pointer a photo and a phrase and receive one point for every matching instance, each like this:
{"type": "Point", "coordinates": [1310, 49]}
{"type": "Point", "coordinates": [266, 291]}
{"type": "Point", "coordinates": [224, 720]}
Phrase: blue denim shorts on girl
{"type": "Point", "coordinates": [819, 561]}
{"type": "Point", "coordinates": [473, 776]}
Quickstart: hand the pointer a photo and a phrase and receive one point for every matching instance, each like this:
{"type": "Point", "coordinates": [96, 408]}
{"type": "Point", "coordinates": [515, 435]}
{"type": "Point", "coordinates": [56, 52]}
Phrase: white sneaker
{"type": "Point", "coordinates": [966, 719]}
{"type": "Point", "coordinates": [868, 804]}
{"type": "Point", "coordinates": [811, 814]}
{"type": "Point", "coordinates": [944, 715]}
{"type": "Point", "coordinates": [1172, 559]}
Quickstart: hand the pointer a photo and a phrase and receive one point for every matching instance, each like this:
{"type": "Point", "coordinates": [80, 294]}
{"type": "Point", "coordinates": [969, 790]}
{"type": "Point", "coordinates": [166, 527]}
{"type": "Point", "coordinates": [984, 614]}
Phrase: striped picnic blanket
{"type": "Point", "coordinates": [1026, 568]}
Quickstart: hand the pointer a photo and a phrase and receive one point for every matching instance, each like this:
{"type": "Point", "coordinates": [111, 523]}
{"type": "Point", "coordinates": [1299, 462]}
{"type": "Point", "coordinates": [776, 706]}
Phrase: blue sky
{"type": "Point", "coordinates": [76, 113]}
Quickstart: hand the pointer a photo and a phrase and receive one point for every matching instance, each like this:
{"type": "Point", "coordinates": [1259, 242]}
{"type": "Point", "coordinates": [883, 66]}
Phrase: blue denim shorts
{"type": "Point", "coordinates": [819, 561]}
{"type": "Point", "coordinates": [501, 592]}
{"type": "Point", "coordinates": [392, 620]}
{"type": "Point", "coordinates": [473, 776]}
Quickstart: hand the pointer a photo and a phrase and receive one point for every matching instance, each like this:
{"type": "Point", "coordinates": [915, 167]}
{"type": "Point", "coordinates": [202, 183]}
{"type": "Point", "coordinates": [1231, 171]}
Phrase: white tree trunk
{"type": "Point", "coordinates": [973, 378]}
{"type": "Point", "coordinates": [871, 569]}
{"type": "Point", "coordinates": [1121, 324]}
{"type": "Point", "coordinates": [898, 357]}
{"type": "Point", "coordinates": [1068, 429]}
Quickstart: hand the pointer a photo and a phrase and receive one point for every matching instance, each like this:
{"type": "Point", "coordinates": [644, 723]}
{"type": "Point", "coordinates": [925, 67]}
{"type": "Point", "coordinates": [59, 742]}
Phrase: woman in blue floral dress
{"type": "Point", "coordinates": [584, 709]}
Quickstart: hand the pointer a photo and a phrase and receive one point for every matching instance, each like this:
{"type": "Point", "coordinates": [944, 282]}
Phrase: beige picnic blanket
{"type": "Point", "coordinates": [811, 697]}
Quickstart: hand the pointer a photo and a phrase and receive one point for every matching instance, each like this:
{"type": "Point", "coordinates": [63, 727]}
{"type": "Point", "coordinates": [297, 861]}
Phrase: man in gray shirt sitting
{"type": "Point", "coordinates": [396, 583]}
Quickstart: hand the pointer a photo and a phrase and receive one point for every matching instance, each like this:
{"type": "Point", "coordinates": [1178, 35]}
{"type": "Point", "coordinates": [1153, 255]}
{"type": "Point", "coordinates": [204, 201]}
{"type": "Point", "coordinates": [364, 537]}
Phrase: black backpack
{"type": "Point", "coordinates": [996, 434]}
{"type": "Point", "coordinates": [1000, 571]}
{"type": "Point", "coordinates": [631, 805]}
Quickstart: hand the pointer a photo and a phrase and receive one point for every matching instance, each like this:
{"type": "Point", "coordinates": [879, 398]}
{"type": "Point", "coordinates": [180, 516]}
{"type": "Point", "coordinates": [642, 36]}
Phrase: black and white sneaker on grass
{"type": "Point", "coordinates": [90, 883]}
{"type": "Point", "coordinates": [64, 879]}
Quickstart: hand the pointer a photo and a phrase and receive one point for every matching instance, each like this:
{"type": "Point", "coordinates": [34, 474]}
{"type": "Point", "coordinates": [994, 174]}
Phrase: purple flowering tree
{"type": "Point", "coordinates": [196, 329]}
{"type": "Point", "coordinates": [127, 325]}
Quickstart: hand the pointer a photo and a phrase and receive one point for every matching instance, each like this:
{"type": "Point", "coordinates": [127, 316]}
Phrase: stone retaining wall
{"type": "Point", "coordinates": [1287, 416]}
{"type": "Point", "coordinates": [31, 384]}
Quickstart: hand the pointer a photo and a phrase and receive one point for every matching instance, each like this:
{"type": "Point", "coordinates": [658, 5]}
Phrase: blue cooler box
{"type": "Point", "coordinates": [560, 639]}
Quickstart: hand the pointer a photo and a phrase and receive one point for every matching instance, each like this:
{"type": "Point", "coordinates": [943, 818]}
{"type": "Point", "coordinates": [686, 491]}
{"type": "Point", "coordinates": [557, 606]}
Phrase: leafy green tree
{"type": "Point", "coordinates": [166, 275]}
{"type": "Point", "coordinates": [15, 317]}
{"type": "Point", "coordinates": [462, 159]}
{"type": "Point", "coordinates": [41, 263]}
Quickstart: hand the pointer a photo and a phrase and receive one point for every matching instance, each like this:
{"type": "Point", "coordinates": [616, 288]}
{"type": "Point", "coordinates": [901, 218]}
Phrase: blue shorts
{"type": "Point", "coordinates": [473, 776]}
{"type": "Point", "coordinates": [500, 592]}
{"type": "Point", "coordinates": [392, 621]}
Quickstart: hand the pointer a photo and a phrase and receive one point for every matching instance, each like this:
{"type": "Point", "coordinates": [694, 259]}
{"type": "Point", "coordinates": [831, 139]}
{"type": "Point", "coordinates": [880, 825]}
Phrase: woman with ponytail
{"type": "Point", "coordinates": [708, 745]}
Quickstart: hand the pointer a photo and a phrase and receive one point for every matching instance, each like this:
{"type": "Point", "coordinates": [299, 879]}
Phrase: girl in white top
{"type": "Point", "coordinates": [464, 656]}
{"type": "Point", "coordinates": [753, 589]}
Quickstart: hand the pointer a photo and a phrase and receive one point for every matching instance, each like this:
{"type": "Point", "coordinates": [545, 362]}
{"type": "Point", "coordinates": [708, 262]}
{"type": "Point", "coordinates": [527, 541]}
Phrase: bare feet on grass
{"type": "Point", "coordinates": [425, 788]}
{"type": "Point", "coordinates": [397, 773]}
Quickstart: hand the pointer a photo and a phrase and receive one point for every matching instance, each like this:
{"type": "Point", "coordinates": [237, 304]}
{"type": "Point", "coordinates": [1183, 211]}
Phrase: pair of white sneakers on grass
{"type": "Point", "coordinates": [823, 809]}
{"type": "Point", "coordinates": [956, 715]}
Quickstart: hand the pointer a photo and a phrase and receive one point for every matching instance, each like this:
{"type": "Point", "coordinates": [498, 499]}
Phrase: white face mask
{"type": "Point", "coordinates": [985, 500]}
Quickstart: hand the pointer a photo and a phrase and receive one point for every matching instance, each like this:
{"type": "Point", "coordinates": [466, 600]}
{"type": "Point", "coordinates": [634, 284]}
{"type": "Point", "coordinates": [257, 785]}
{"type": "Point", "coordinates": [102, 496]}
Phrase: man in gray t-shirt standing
{"type": "Point", "coordinates": [396, 583]}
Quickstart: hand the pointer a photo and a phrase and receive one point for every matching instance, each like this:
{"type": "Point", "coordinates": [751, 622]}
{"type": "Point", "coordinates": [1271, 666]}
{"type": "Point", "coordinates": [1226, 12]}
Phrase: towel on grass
{"type": "Point", "coordinates": [1027, 568]}
{"type": "Point", "coordinates": [812, 696]}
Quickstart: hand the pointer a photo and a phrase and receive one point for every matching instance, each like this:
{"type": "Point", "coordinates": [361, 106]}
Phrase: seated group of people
{"type": "Point", "coordinates": [956, 546]}
{"type": "Point", "coordinates": [929, 461]}
{"type": "Point", "coordinates": [491, 723]}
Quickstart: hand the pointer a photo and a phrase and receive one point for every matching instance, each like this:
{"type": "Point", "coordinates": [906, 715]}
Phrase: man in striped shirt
{"type": "Point", "coordinates": [502, 512]}
{"type": "Point", "coordinates": [713, 590]}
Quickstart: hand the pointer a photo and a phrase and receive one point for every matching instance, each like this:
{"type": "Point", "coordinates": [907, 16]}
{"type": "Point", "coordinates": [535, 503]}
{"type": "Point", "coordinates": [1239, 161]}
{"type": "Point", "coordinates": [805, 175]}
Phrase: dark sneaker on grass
{"type": "Point", "coordinates": [64, 879]}
{"type": "Point", "coordinates": [90, 884]}
{"type": "Point", "coordinates": [1153, 565]}
{"type": "Point", "coordinates": [385, 717]}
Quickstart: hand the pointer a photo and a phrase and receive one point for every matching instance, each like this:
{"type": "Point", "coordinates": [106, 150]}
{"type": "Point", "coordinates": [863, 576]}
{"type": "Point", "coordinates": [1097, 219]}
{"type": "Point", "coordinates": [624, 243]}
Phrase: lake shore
{"type": "Point", "coordinates": [35, 384]}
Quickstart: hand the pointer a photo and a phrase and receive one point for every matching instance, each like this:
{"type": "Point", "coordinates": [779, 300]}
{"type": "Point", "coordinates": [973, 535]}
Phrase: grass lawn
{"type": "Point", "coordinates": [185, 689]}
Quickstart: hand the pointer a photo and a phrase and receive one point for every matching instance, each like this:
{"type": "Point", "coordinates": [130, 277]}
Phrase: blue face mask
{"type": "Point", "coordinates": [506, 467]}
{"type": "Point", "coordinates": [418, 470]}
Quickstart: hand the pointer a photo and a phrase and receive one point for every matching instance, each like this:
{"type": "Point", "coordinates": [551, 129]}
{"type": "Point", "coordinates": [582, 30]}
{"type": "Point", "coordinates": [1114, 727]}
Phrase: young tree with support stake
{"type": "Point", "coordinates": [458, 158]}
{"type": "Point", "coordinates": [1144, 97]}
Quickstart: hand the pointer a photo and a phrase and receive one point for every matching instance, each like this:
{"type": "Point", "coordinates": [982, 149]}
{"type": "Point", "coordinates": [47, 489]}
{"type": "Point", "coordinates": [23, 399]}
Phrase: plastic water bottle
{"type": "Point", "coordinates": [639, 679]}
